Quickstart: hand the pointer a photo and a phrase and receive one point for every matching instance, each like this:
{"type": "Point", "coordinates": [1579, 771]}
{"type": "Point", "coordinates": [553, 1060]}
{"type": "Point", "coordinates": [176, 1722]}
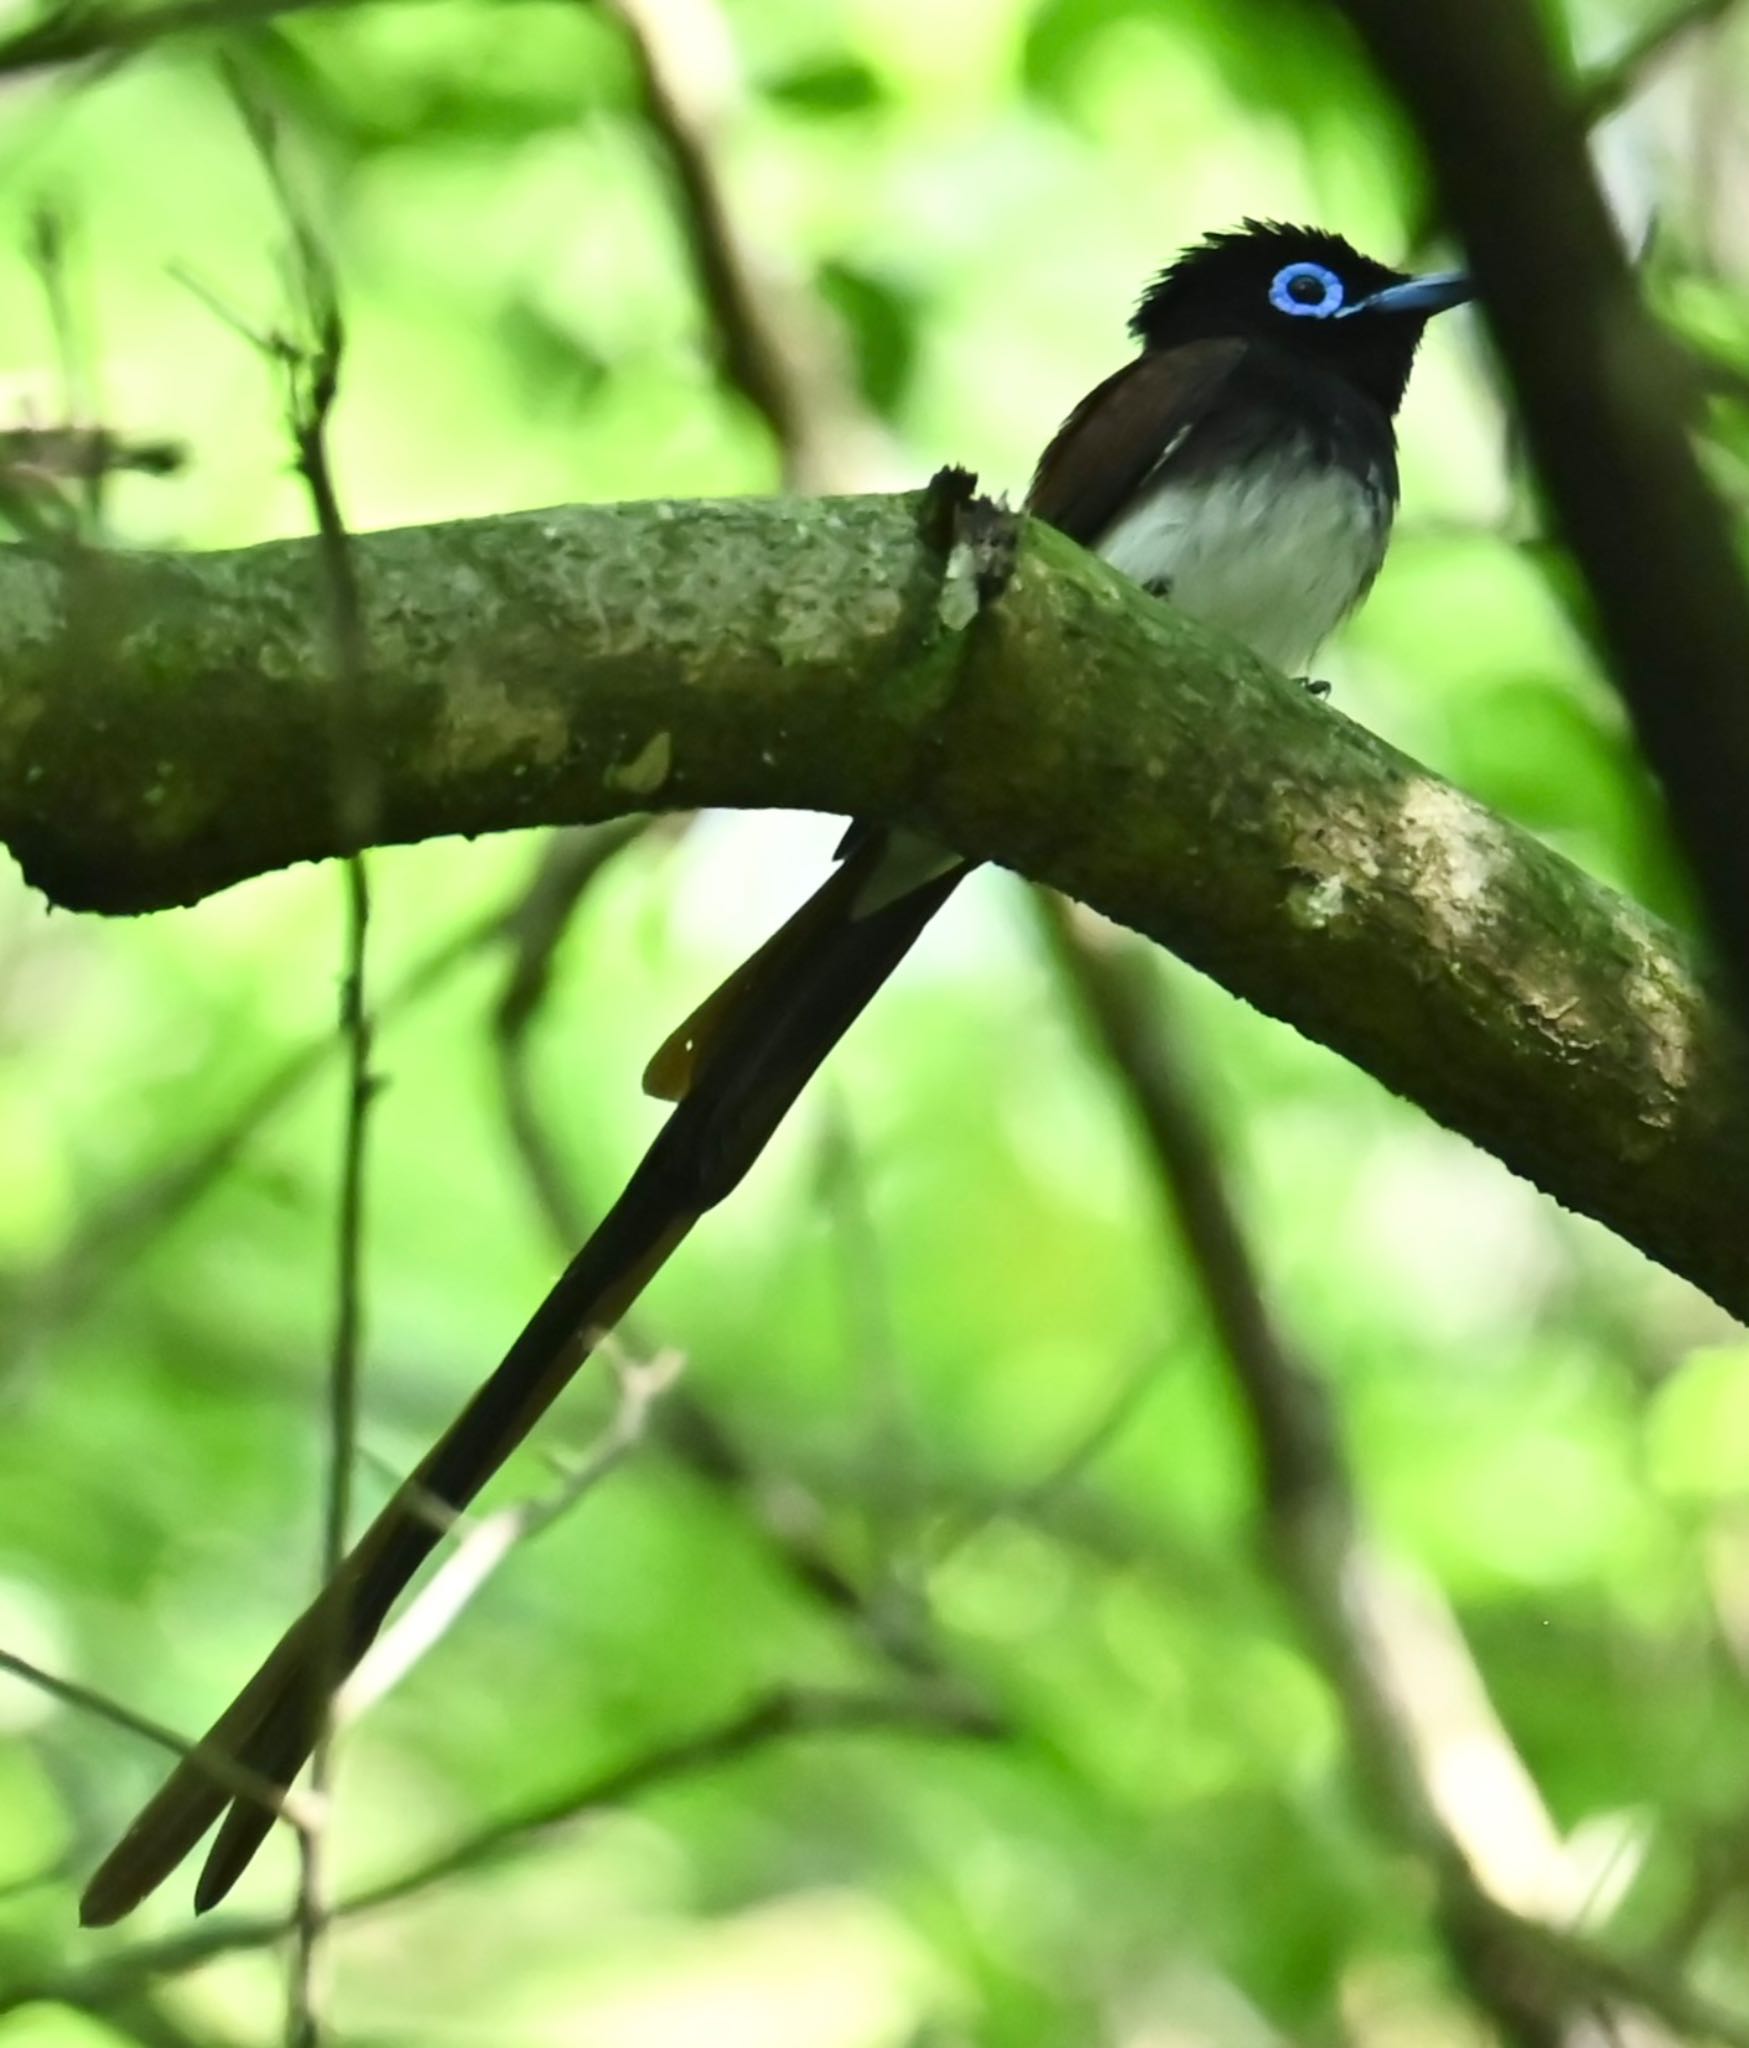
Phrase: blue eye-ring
{"type": "Point", "coordinates": [1306, 288]}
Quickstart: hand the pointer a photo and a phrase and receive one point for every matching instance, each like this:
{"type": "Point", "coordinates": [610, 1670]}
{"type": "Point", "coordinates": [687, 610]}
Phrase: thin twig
{"type": "Point", "coordinates": [968, 1517]}
{"type": "Point", "coordinates": [48, 253]}
{"type": "Point", "coordinates": [783, 1714]}
{"type": "Point", "coordinates": [490, 1540]}
{"type": "Point", "coordinates": [119, 1228]}
{"type": "Point", "coordinates": [85, 453]}
{"type": "Point", "coordinates": [295, 1808]}
{"type": "Point", "coordinates": [311, 362]}
{"type": "Point", "coordinates": [52, 477]}
{"type": "Point", "coordinates": [1611, 85]}
{"type": "Point", "coordinates": [775, 341]}
{"type": "Point", "coordinates": [786, 1714]}
{"type": "Point", "coordinates": [788, 1518]}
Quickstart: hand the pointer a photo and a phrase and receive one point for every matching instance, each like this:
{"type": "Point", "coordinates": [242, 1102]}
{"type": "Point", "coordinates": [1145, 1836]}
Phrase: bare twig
{"type": "Point", "coordinates": [355, 803]}
{"type": "Point", "coordinates": [787, 1714]}
{"type": "Point", "coordinates": [1590, 1977]}
{"type": "Point", "coordinates": [38, 464]}
{"type": "Point", "coordinates": [119, 1228]}
{"type": "Point", "coordinates": [1611, 85]}
{"type": "Point", "coordinates": [79, 404]}
{"type": "Point", "coordinates": [776, 343]}
{"type": "Point", "coordinates": [49, 235]}
{"type": "Point", "coordinates": [299, 1811]}
{"type": "Point", "coordinates": [784, 1714]}
{"type": "Point", "coordinates": [970, 1515]}
{"type": "Point", "coordinates": [489, 1541]}
{"type": "Point", "coordinates": [311, 361]}
{"type": "Point", "coordinates": [788, 1518]}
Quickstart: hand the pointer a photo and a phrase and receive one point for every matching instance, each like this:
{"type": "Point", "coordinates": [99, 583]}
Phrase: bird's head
{"type": "Point", "coordinates": [1304, 291]}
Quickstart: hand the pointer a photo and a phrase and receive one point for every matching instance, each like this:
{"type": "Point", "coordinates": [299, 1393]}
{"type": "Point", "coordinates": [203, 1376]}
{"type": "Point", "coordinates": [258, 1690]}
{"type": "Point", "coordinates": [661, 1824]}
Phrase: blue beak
{"type": "Point", "coordinates": [1420, 296]}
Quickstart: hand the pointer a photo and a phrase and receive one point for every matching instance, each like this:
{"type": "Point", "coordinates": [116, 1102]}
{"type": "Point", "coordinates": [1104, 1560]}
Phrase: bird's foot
{"type": "Point", "coordinates": [1315, 686]}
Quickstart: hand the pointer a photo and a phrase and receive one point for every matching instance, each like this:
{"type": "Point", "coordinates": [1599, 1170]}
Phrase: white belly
{"type": "Point", "coordinates": [1277, 554]}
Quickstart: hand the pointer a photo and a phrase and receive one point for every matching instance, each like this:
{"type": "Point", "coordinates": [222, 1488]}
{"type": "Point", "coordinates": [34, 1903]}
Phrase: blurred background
{"type": "Point", "coordinates": [929, 1665]}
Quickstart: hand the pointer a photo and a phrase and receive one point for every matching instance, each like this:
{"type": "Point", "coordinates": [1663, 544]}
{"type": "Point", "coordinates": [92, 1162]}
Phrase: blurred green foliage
{"type": "Point", "coordinates": [952, 1265]}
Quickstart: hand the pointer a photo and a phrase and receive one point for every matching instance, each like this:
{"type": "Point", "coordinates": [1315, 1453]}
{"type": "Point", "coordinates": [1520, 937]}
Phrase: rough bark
{"type": "Point", "coordinates": [166, 722]}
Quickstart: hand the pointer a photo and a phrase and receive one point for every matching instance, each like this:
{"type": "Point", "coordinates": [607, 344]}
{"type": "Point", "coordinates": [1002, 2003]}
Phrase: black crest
{"type": "Point", "coordinates": [1291, 288]}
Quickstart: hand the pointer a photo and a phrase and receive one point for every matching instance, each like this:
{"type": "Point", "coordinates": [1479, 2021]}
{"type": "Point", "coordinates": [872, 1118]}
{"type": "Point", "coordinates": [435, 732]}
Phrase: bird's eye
{"type": "Point", "coordinates": [1306, 288]}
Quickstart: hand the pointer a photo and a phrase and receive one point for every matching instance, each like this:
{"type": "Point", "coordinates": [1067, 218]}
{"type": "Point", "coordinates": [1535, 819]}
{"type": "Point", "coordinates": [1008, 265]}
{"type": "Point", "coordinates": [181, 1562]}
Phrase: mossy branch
{"type": "Point", "coordinates": [165, 724]}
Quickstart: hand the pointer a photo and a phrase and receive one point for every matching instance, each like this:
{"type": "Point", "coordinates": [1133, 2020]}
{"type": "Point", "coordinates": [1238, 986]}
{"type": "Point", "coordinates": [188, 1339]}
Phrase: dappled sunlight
{"type": "Point", "coordinates": [1455, 851]}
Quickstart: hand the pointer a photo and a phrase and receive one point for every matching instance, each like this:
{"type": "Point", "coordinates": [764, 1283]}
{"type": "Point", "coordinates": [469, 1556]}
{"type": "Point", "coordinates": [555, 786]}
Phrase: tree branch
{"type": "Point", "coordinates": [1601, 393]}
{"type": "Point", "coordinates": [163, 722]}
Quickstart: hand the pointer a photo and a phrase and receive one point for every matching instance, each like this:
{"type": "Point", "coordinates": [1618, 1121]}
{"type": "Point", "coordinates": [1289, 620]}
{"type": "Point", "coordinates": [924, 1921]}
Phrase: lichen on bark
{"type": "Point", "coordinates": [166, 730]}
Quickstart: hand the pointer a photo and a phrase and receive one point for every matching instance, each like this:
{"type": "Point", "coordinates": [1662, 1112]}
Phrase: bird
{"type": "Point", "coordinates": [1242, 466]}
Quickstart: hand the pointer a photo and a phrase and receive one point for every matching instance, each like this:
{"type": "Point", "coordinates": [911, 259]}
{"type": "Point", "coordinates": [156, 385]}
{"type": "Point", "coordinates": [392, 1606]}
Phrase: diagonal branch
{"type": "Point", "coordinates": [162, 721]}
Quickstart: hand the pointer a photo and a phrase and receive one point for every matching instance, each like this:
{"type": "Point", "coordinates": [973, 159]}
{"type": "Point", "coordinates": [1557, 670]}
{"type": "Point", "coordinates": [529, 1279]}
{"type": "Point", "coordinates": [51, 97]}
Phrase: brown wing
{"type": "Point", "coordinates": [1121, 430]}
{"type": "Point", "coordinates": [675, 1065]}
{"type": "Point", "coordinates": [1098, 456]}
{"type": "Point", "coordinates": [891, 864]}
